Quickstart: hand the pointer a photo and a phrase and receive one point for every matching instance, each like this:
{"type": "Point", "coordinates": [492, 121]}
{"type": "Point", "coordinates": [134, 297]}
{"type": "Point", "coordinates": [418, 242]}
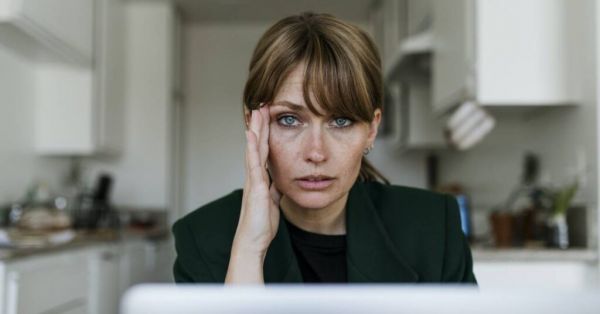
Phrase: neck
{"type": "Point", "coordinates": [330, 220]}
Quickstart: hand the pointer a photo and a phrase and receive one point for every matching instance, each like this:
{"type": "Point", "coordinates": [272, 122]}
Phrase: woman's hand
{"type": "Point", "coordinates": [259, 216]}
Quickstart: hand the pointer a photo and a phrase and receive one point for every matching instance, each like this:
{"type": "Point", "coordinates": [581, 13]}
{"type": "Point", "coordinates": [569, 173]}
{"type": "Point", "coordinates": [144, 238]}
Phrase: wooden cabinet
{"type": "Point", "coordinates": [58, 29]}
{"type": "Point", "coordinates": [80, 108]}
{"type": "Point", "coordinates": [501, 52]}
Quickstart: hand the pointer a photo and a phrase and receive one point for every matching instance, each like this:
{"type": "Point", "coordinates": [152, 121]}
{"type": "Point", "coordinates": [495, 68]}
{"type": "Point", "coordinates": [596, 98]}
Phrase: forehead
{"type": "Point", "coordinates": [291, 88]}
{"type": "Point", "coordinates": [291, 92]}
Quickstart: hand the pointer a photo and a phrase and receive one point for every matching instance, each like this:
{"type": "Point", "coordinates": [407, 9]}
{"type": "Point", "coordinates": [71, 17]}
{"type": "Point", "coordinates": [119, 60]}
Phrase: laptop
{"type": "Point", "coordinates": [392, 298]}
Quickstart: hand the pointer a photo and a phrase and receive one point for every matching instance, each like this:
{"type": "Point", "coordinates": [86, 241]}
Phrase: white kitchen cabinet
{"type": "Point", "coordinates": [413, 123]}
{"type": "Point", "coordinates": [104, 283]}
{"type": "Point", "coordinates": [80, 108]}
{"type": "Point", "coordinates": [109, 74]}
{"type": "Point", "coordinates": [422, 129]}
{"type": "Point", "coordinates": [54, 283]}
{"type": "Point", "coordinates": [118, 267]}
{"type": "Point", "coordinates": [160, 257]}
{"type": "Point", "coordinates": [91, 279]}
{"type": "Point", "coordinates": [501, 52]}
{"type": "Point", "coordinates": [402, 33]}
{"type": "Point", "coordinates": [60, 29]}
{"type": "Point", "coordinates": [536, 275]}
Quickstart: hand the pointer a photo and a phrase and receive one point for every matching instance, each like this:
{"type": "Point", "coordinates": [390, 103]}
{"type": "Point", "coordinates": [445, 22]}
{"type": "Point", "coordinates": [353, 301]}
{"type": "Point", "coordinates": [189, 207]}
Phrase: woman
{"type": "Point", "coordinates": [312, 209]}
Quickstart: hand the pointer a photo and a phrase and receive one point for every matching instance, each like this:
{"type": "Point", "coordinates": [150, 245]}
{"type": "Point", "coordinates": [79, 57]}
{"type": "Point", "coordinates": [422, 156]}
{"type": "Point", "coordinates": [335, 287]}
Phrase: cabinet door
{"type": "Point", "coordinates": [64, 112]}
{"type": "Point", "coordinates": [104, 270]}
{"type": "Point", "coordinates": [523, 51]}
{"type": "Point", "coordinates": [79, 109]}
{"type": "Point", "coordinates": [162, 255]}
{"type": "Point", "coordinates": [453, 53]}
{"type": "Point", "coordinates": [133, 266]}
{"type": "Point", "coordinates": [423, 128]}
{"type": "Point", "coordinates": [55, 283]}
{"type": "Point", "coordinates": [110, 75]}
{"type": "Point", "coordinates": [63, 25]}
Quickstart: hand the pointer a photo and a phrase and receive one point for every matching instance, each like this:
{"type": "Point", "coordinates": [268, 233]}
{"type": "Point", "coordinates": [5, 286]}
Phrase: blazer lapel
{"type": "Point", "coordinates": [371, 254]}
{"type": "Point", "coordinates": [280, 264]}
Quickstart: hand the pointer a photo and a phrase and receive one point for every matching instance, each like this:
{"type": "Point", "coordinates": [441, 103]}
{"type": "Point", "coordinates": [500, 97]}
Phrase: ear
{"type": "Point", "coordinates": [374, 126]}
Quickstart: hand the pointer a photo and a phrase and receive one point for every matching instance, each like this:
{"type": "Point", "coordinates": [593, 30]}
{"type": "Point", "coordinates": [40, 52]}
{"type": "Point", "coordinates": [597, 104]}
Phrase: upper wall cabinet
{"type": "Point", "coordinates": [402, 32]}
{"type": "Point", "coordinates": [49, 29]}
{"type": "Point", "coordinates": [80, 108]}
{"type": "Point", "coordinates": [501, 52]}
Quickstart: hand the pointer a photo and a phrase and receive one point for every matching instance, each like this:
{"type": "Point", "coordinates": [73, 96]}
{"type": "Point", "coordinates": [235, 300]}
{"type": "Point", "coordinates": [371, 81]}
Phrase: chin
{"type": "Point", "coordinates": [312, 199]}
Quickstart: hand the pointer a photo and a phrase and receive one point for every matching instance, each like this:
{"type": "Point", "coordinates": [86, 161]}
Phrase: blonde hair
{"type": "Point", "coordinates": [342, 69]}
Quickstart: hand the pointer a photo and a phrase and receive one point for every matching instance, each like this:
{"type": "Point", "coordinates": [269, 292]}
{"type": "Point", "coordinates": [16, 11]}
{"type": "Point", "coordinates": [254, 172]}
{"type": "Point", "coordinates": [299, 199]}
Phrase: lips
{"type": "Point", "coordinates": [315, 178]}
{"type": "Point", "coordinates": [315, 182]}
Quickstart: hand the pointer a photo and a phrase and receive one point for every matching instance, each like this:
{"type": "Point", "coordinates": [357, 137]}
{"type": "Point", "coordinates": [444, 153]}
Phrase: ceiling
{"type": "Point", "coordinates": [244, 11]}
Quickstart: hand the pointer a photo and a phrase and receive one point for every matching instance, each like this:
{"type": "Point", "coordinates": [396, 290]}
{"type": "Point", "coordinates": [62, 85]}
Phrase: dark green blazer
{"type": "Point", "coordinates": [394, 235]}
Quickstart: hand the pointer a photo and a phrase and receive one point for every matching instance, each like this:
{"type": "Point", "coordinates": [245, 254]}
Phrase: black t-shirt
{"type": "Point", "coordinates": [321, 258]}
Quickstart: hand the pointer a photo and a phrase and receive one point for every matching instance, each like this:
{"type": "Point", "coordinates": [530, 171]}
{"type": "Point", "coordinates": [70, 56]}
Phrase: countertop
{"type": "Point", "coordinates": [485, 254]}
{"type": "Point", "coordinates": [84, 238]}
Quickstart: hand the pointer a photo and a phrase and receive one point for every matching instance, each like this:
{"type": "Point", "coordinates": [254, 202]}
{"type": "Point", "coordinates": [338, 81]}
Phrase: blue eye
{"type": "Point", "coordinates": [288, 121]}
{"type": "Point", "coordinates": [342, 122]}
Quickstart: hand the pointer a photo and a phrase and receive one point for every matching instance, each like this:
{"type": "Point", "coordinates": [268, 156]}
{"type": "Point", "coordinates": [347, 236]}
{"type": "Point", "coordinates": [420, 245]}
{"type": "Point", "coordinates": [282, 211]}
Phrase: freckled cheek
{"type": "Point", "coordinates": [282, 153]}
{"type": "Point", "coordinates": [347, 152]}
{"type": "Point", "coordinates": [350, 145]}
{"type": "Point", "coordinates": [350, 161]}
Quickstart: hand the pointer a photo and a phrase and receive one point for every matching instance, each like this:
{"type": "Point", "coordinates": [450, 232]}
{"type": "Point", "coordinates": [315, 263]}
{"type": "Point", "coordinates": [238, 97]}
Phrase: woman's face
{"type": "Point", "coordinates": [314, 160]}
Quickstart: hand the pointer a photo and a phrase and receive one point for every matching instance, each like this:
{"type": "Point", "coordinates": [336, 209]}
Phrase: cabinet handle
{"type": "Point", "coordinates": [107, 256]}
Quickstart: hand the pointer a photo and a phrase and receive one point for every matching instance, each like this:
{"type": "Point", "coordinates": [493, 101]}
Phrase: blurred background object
{"type": "Point", "coordinates": [122, 116]}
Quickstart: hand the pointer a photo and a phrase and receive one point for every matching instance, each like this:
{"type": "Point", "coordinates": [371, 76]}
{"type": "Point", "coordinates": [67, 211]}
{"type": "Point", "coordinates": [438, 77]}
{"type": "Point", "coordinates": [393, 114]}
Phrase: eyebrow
{"type": "Point", "coordinates": [290, 105]}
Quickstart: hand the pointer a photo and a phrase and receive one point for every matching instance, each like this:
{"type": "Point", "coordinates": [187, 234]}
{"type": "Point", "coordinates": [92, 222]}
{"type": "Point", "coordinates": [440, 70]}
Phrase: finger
{"type": "Point", "coordinates": [264, 139]}
{"type": "Point", "coordinates": [247, 152]}
{"type": "Point", "coordinates": [255, 169]}
{"type": "Point", "coordinates": [256, 124]}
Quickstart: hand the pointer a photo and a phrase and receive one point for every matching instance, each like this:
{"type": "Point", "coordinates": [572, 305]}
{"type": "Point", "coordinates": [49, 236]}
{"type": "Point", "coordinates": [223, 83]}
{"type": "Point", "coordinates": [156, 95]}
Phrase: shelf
{"type": "Point", "coordinates": [418, 44]}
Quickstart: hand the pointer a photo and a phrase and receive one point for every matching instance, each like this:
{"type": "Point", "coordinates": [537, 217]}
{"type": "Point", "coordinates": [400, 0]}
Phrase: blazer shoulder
{"type": "Point", "coordinates": [212, 226]}
{"type": "Point", "coordinates": [215, 213]}
{"type": "Point", "coordinates": [203, 240]}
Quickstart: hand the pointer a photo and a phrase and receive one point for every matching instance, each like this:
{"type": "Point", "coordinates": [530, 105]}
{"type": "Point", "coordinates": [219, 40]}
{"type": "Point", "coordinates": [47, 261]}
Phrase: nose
{"type": "Point", "coordinates": [315, 150]}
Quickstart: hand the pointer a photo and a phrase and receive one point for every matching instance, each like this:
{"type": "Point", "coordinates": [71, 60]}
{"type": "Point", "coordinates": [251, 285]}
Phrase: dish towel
{"type": "Point", "coordinates": [468, 125]}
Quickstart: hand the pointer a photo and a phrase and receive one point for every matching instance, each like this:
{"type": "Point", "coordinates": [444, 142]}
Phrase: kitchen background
{"type": "Point", "coordinates": [149, 95]}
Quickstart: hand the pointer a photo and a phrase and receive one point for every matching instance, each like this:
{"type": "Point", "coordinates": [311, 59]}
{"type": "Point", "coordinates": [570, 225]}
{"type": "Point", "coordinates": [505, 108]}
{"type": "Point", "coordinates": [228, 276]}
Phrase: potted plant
{"type": "Point", "coordinates": [558, 230]}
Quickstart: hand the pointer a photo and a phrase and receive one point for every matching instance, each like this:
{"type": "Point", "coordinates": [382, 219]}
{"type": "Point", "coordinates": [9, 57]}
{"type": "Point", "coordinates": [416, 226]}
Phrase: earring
{"type": "Point", "coordinates": [368, 150]}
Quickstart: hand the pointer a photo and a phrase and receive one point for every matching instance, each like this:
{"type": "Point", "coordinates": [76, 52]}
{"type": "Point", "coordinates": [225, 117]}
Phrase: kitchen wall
{"type": "Point", "coordinates": [215, 64]}
{"type": "Point", "coordinates": [19, 165]}
{"type": "Point", "coordinates": [564, 137]}
{"type": "Point", "coordinates": [142, 170]}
